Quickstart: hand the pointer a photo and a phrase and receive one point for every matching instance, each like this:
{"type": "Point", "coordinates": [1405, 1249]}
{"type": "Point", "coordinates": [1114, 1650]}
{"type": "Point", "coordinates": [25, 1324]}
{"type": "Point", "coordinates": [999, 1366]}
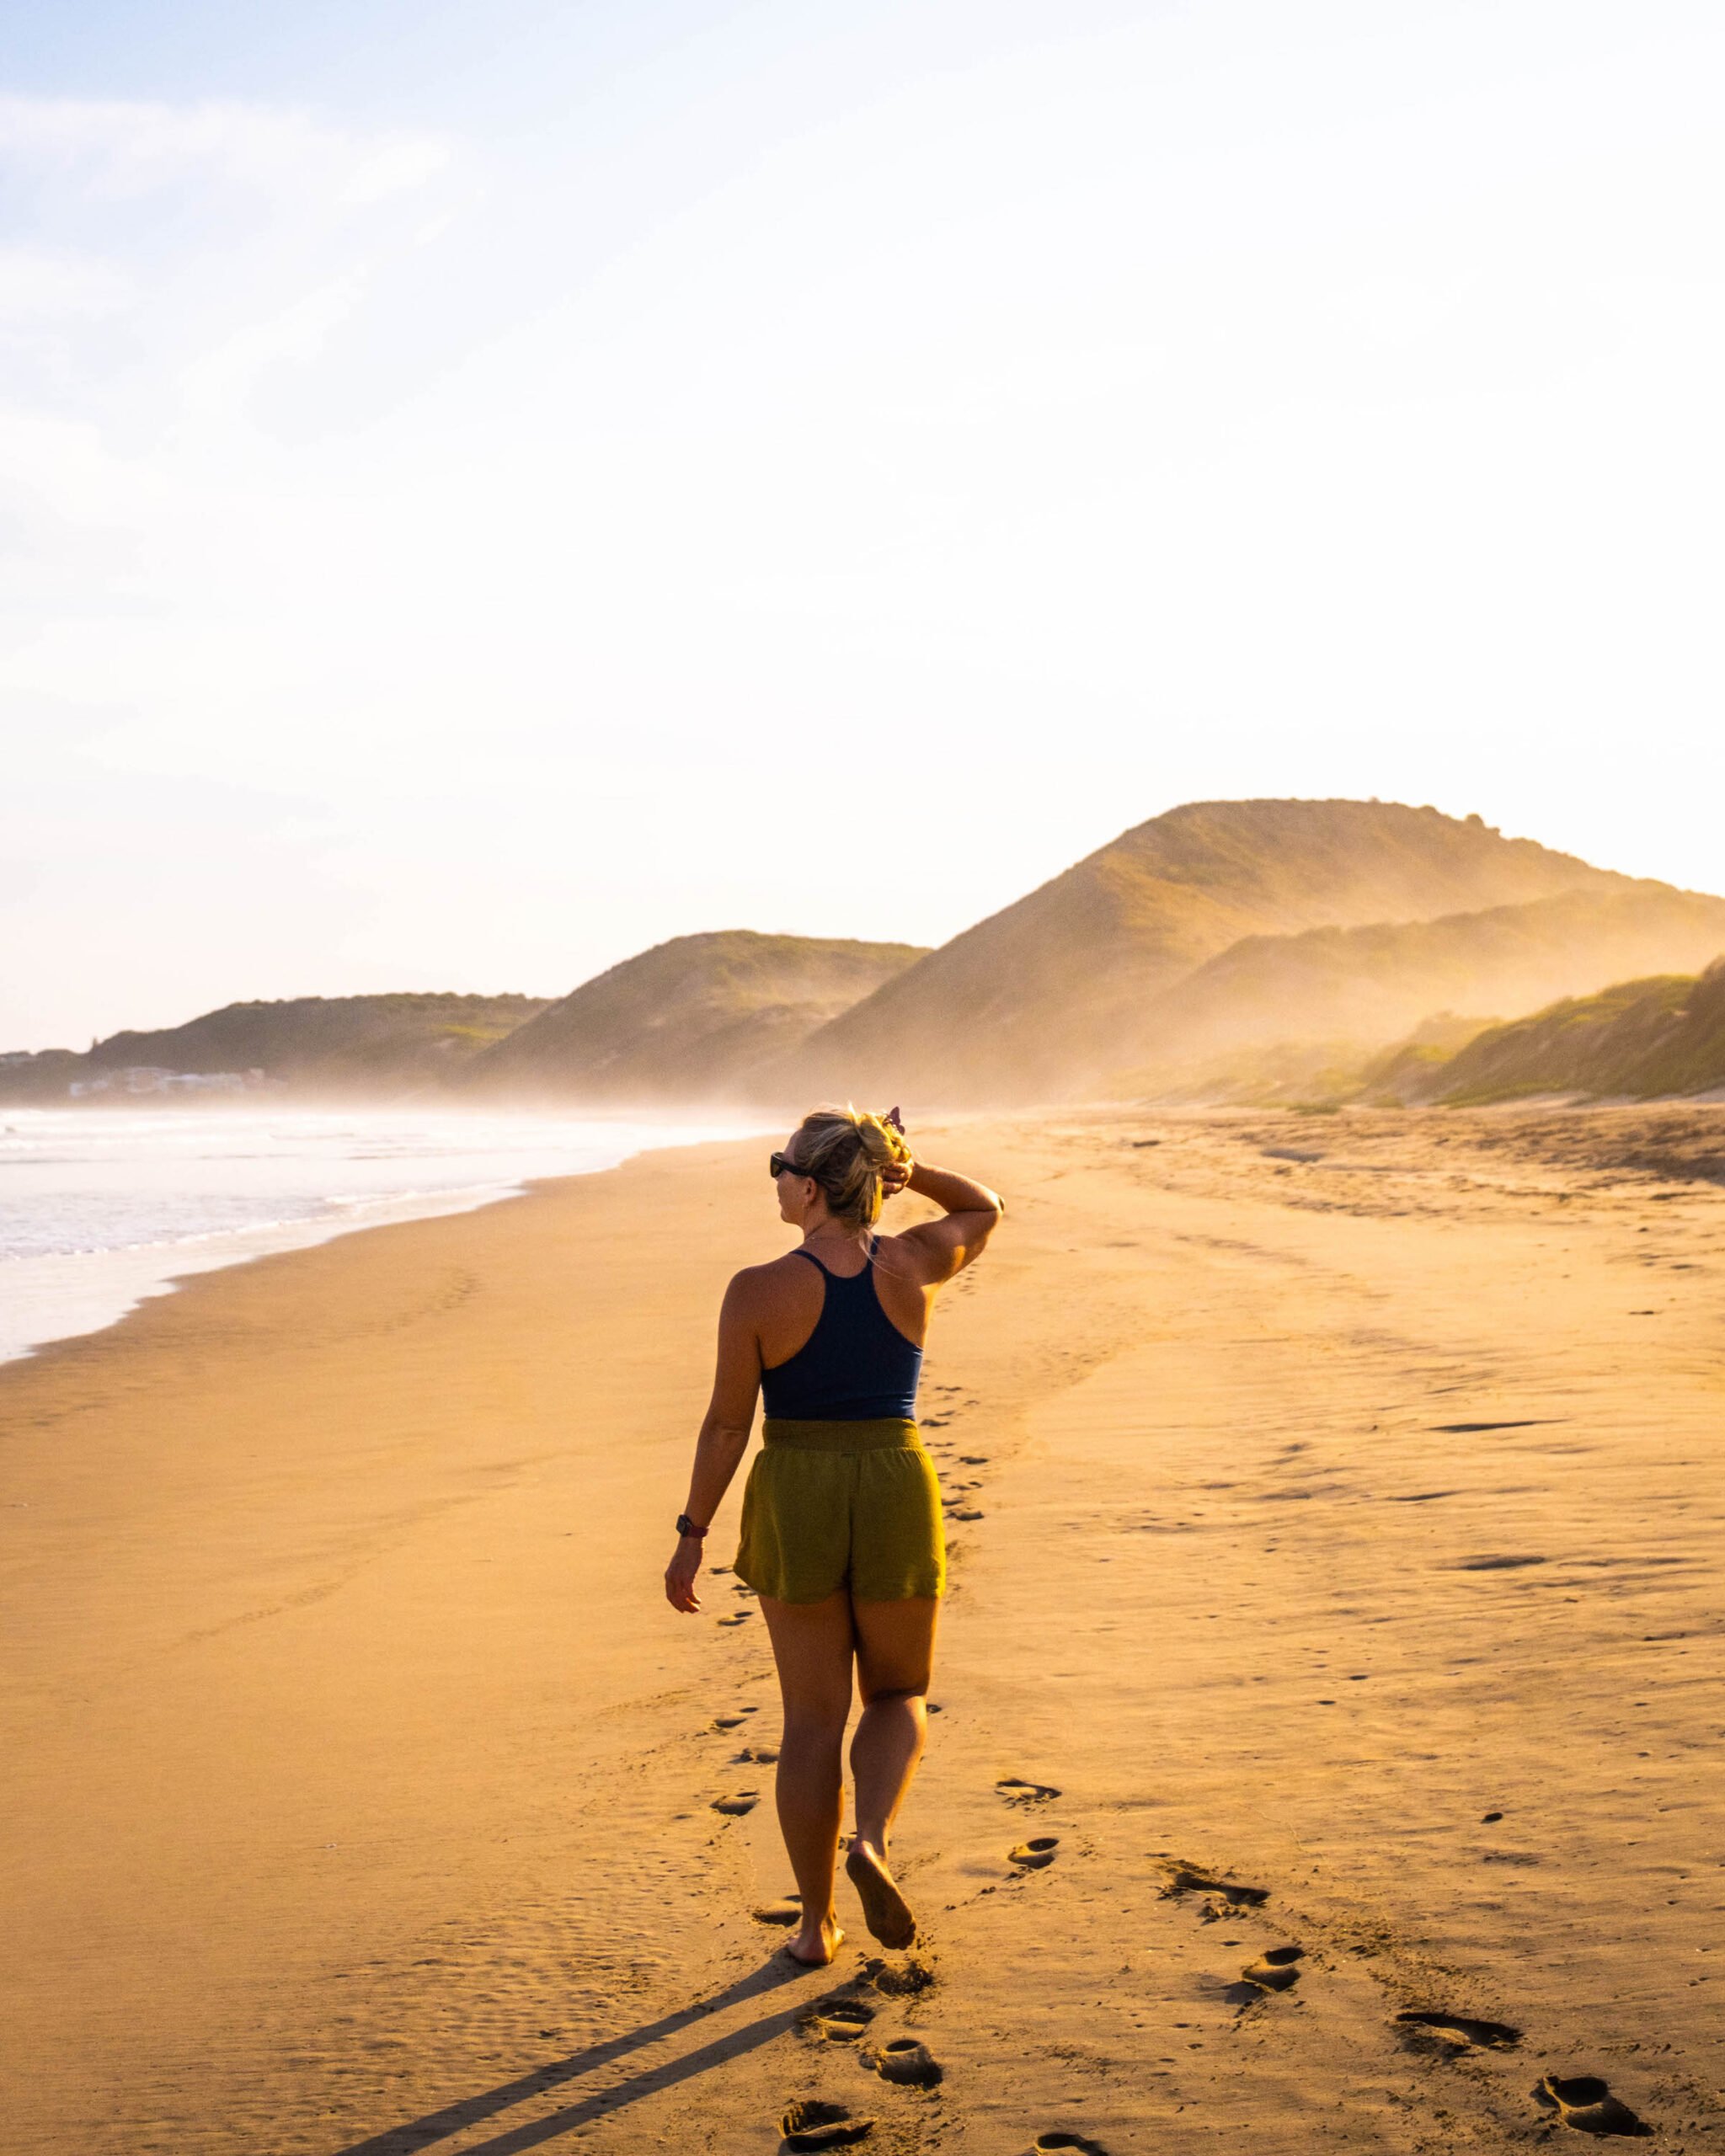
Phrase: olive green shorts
{"type": "Point", "coordinates": [832, 1505]}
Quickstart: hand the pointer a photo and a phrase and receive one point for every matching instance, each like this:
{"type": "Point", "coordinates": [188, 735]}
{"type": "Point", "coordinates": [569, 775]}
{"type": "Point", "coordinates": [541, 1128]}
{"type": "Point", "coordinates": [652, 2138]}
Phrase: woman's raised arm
{"type": "Point", "coordinates": [972, 1212]}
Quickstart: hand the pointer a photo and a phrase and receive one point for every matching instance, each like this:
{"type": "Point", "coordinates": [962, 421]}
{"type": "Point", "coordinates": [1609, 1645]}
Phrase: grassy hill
{"type": "Point", "coordinates": [1641, 1038]}
{"type": "Point", "coordinates": [1047, 997]}
{"type": "Point", "coordinates": [40, 1078]}
{"type": "Point", "coordinates": [1314, 1074]}
{"type": "Point", "coordinates": [349, 1046]}
{"type": "Point", "coordinates": [1366, 987]}
{"type": "Point", "coordinates": [1234, 949]}
{"type": "Point", "coordinates": [698, 1020]}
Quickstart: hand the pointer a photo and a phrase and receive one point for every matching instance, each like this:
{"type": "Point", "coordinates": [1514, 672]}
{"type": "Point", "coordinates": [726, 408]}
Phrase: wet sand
{"type": "Point", "coordinates": [1341, 1574]}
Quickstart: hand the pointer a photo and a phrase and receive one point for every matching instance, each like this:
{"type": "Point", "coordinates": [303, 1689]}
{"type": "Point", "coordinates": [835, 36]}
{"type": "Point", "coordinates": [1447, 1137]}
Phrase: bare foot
{"type": "Point", "coordinates": [885, 1908]}
{"type": "Point", "coordinates": [815, 1945]}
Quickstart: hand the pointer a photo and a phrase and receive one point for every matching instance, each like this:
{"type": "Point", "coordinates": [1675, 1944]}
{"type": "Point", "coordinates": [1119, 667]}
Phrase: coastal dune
{"type": "Point", "coordinates": [1328, 1691]}
{"type": "Point", "coordinates": [1250, 951]}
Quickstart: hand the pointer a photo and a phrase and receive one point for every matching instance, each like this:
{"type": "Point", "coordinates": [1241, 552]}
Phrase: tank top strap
{"type": "Point", "coordinates": [811, 1257]}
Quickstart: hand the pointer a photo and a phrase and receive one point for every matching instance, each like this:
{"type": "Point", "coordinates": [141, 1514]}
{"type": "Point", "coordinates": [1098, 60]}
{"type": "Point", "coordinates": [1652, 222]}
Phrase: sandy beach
{"type": "Point", "coordinates": [1336, 1519]}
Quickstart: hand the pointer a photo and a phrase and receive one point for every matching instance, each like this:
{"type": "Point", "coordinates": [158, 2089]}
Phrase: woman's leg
{"type": "Point", "coordinates": [894, 1659]}
{"type": "Point", "coordinates": [813, 1643]}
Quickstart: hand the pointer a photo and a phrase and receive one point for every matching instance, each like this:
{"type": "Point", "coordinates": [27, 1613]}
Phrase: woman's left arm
{"type": "Point", "coordinates": [725, 1434]}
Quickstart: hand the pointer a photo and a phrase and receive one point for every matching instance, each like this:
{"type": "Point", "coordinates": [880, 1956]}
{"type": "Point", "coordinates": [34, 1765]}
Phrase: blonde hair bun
{"type": "Point", "coordinates": [880, 1141]}
{"type": "Point", "coordinates": [847, 1150]}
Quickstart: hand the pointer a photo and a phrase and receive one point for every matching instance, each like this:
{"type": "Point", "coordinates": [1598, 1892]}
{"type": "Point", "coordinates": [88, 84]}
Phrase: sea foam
{"type": "Point", "coordinates": [100, 1208]}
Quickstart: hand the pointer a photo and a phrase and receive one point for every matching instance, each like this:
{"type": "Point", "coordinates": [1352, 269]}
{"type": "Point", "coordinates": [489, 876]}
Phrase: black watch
{"type": "Point", "coordinates": [686, 1526]}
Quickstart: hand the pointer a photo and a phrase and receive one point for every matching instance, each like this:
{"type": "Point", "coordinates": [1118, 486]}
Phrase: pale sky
{"type": "Point", "coordinates": [488, 486]}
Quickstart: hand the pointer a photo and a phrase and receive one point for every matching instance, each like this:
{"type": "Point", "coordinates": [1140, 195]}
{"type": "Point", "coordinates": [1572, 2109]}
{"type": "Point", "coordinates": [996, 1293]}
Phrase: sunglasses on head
{"type": "Point", "coordinates": [782, 1164]}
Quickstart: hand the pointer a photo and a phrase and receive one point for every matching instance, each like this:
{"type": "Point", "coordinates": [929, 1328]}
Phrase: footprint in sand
{"type": "Point", "coordinates": [910, 2063]}
{"type": "Point", "coordinates": [1060, 2138]}
{"type": "Point", "coordinates": [1449, 2034]}
{"type": "Point", "coordinates": [974, 1458]}
{"type": "Point", "coordinates": [736, 1806]}
{"type": "Point", "coordinates": [1583, 2101]}
{"type": "Point", "coordinates": [1276, 1969]}
{"type": "Point", "coordinates": [737, 1617]}
{"type": "Point", "coordinates": [899, 1979]}
{"type": "Point", "coordinates": [840, 2021]}
{"type": "Point", "coordinates": [1034, 1854]}
{"type": "Point", "coordinates": [758, 1755]}
{"type": "Point", "coordinates": [970, 1513]}
{"type": "Point", "coordinates": [1191, 1878]}
{"type": "Point", "coordinates": [787, 1912]}
{"type": "Point", "coordinates": [727, 1722]}
{"type": "Point", "coordinates": [811, 2124]}
{"type": "Point", "coordinates": [1016, 1791]}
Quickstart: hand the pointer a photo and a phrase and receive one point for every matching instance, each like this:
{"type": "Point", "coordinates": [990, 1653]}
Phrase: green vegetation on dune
{"type": "Point", "coordinates": [1311, 1075]}
{"type": "Point", "coordinates": [1271, 1006]}
{"type": "Point", "coordinates": [1399, 1074]}
{"type": "Point", "coordinates": [1660, 1036]}
{"type": "Point", "coordinates": [1639, 1039]}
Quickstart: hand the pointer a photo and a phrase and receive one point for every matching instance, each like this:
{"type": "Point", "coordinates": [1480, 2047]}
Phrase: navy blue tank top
{"type": "Point", "coordinates": [855, 1367]}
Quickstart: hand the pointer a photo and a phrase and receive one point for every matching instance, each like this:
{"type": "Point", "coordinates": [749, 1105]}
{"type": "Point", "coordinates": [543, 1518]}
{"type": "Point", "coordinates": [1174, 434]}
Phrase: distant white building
{"type": "Point", "coordinates": [148, 1078]}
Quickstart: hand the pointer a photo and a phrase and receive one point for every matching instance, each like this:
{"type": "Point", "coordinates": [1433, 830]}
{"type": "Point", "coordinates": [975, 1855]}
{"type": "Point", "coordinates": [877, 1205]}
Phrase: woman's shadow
{"type": "Point", "coordinates": [472, 2110]}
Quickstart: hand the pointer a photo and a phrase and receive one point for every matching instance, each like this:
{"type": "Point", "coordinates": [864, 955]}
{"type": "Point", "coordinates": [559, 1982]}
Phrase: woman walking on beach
{"type": "Point", "coordinates": [842, 1524]}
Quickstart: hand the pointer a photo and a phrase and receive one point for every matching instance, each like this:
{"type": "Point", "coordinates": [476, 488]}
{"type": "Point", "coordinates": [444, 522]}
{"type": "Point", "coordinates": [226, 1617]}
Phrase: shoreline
{"type": "Point", "coordinates": [151, 1270]}
{"type": "Point", "coordinates": [365, 1786]}
{"type": "Point", "coordinates": [63, 1295]}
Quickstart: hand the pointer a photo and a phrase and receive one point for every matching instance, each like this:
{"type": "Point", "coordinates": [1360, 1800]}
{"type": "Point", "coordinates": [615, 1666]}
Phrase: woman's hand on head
{"type": "Point", "coordinates": [894, 1178]}
{"type": "Point", "coordinates": [679, 1576]}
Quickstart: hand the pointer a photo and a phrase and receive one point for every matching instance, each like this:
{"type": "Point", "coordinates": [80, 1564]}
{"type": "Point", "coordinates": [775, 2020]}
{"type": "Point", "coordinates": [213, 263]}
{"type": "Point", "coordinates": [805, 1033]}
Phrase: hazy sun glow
{"type": "Point", "coordinates": [490, 490]}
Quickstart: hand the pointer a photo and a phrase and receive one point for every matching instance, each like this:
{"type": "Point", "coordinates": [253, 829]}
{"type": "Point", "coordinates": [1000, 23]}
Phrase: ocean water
{"type": "Point", "coordinates": [100, 1208]}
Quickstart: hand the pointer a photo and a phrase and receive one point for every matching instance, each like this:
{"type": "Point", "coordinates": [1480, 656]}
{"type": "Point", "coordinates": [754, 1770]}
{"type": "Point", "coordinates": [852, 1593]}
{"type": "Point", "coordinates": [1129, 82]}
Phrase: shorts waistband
{"type": "Point", "coordinates": [891, 1433]}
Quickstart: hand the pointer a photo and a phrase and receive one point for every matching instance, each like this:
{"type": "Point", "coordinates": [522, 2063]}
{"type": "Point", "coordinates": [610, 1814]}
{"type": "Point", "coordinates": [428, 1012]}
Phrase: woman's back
{"type": "Point", "coordinates": [855, 1366]}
